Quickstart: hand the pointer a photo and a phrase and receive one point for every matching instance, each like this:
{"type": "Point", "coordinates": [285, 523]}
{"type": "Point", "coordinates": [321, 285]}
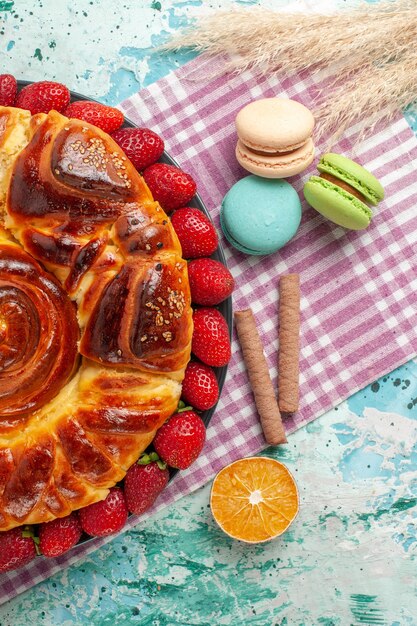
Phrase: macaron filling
{"type": "Point", "coordinates": [277, 160]}
{"type": "Point", "coordinates": [358, 204]}
{"type": "Point", "coordinates": [353, 181]}
{"type": "Point", "coordinates": [343, 185]}
{"type": "Point", "coordinates": [282, 152]}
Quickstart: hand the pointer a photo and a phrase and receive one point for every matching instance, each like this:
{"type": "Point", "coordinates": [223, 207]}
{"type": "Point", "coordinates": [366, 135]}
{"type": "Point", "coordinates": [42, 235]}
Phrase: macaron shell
{"type": "Point", "coordinates": [274, 124]}
{"type": "Point", "coordinates": [276, 166]}
{"type": "Point", "coordinates": [338, 205]}
{"type": "Point", "coordinates": [235, 243]}
{"type": "Point", "coordinates": [259, 215]}
{"type": "Point", "coordinates": [354, 174]}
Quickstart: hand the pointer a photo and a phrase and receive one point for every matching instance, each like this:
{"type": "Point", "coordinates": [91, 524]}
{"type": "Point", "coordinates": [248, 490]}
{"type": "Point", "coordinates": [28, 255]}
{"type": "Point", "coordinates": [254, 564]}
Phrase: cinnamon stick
{"type": "Point", "coordinates": [289, 343]}
{"type": "Point", "coordinates": [259, 377]}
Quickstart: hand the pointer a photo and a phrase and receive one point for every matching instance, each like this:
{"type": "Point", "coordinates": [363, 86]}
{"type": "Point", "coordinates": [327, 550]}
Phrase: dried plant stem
{"type": "Point", "coordinates": [267, 40]}
{"type": "Point", "coordinates": [372, 47]}
{"type": "Point", "coordinates": [374, 92]}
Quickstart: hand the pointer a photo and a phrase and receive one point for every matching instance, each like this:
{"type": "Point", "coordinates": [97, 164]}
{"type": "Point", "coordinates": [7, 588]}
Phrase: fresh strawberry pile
{"type": "Point", "coordinates": [180, 440]}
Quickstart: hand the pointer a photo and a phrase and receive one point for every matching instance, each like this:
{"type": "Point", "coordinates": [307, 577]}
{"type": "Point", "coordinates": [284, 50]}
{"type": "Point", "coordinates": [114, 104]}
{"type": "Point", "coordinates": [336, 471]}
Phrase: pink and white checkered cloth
{"type": "Point", "coordinates": [359, 308]}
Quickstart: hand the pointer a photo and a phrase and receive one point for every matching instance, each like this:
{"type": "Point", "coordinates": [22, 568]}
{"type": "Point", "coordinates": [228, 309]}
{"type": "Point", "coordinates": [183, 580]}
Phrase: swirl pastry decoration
{"type": "Point", "coordinates": [38, 334]}
{"type": "Point", "coordinates": [95, 316]}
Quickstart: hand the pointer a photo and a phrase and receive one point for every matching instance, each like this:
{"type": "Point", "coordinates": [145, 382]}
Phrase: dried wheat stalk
{"type": "Point", "coordinates": [372, 46]}
{"type": "Point", "coordinates": [373, 94]}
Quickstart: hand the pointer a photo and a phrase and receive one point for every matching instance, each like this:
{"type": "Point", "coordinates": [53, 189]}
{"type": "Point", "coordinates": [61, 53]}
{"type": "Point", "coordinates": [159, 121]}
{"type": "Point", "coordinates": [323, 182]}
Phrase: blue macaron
{"type": "Point", "coordinates": [259, 215]}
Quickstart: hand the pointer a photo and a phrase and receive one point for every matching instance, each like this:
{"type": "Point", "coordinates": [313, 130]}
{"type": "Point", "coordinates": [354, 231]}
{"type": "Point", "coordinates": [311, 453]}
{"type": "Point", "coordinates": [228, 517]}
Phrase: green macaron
{"type": "Point", "coordinates": [343, 191]}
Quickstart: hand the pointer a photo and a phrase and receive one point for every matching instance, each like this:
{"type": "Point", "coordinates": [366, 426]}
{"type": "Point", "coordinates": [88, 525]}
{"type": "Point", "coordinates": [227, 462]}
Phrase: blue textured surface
{"type": "Point", "coordinates": [350, 557]}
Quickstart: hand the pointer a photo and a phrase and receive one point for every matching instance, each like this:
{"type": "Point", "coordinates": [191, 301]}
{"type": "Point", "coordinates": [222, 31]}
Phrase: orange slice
{"type": "Point", "coordinates": [254, 499]}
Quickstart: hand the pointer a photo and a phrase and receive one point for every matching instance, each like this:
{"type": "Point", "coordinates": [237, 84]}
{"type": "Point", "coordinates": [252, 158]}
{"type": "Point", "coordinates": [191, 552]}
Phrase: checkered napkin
{"type": "Point", "coordinates": [359, 308]}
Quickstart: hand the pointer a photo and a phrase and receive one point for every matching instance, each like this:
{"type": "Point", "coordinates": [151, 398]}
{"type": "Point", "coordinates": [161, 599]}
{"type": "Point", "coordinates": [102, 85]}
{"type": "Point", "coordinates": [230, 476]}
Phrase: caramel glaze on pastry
{"type": "Point", "coordinates": [95, 316]}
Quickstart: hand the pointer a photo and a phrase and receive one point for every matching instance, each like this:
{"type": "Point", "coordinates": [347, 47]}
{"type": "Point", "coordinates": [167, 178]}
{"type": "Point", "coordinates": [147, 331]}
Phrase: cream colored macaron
{"type": "Point", "coordinates": [279, 165]}
{"type": "Point", "coordinates": [275, 137]}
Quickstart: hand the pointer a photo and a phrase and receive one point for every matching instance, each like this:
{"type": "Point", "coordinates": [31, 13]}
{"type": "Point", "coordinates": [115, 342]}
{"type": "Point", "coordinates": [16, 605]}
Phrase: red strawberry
{"type": "Point", "coordinates": [8, 90]}
{"type": "Point", "coordinates": [17, 547]}
{"type": "Point", "coordinates": [58, 536]}
{"type": "Point", "coordinates": [210, 342]}
{"type": "Point", "coordinates": [105, 517]}
{"type": "Point", "coordinates": [196, 233]}
{"type": "Point", "coordinates": [144, 482]}
{"type": "Point", "coordinates": [210, 281]}
{"type": "Point", "coordinates": [43, 96]}
{"type": "Point", "coordinates": [169, 185]}
{"type": "Point", "coordinates": [180, 440]}
{"type": "Point", "coordinates": [107, 118]}
{"type": "Point", "coordinates": [200, 387]}
{"type": "Point", "coordinates": [141, 145]}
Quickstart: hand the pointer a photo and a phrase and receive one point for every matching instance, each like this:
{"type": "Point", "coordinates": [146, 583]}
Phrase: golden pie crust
{"type": "Point", "coordinates": [95, 316]}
